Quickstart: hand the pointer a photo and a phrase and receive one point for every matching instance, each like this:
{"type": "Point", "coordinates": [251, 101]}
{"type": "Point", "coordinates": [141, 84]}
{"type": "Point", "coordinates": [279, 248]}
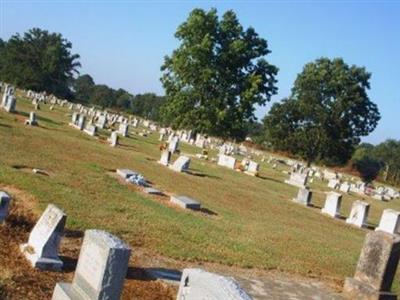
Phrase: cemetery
{"type": "Point", "coordinates": [335, 218]}
{"type": "Point", "coordinates": [195, 165]}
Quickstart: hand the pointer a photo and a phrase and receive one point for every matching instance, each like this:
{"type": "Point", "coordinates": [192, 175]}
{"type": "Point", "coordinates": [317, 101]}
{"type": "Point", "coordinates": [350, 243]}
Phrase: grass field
{"type": "Point", "coordinates": [252, 222]}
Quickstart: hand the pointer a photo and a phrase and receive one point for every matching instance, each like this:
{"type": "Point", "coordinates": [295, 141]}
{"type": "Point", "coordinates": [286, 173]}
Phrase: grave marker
{"type": "Point", "coordinates": [4, 204]}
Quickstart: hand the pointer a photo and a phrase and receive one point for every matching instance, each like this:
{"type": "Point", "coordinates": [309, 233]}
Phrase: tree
{"type": "Point", "coordinates": [40, 61]}
{"type": "Point", "coordinates": [368, 167]}
{"type": "Point", "coordinates": [102, 96]}
{"type": "Point", "coordinates": [148, 106]}
{"type": "Point", "coordinates": [389, 153]}
{"type": "Point", "coordinates": [83, 88]}
{"type": "Point", "coordinates": [327, 113]}
{"type": "Point", "coordinates": [216, 76]}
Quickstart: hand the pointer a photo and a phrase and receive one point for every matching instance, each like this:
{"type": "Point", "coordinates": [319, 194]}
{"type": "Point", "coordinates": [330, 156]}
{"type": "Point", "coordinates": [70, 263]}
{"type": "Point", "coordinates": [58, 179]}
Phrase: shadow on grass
{"type": "Point", "coordinates": [208, 212]}
{"type": "Point", "coordinates": [5, 125]}
{"type": "Point", "coordinates": [126, 146]}
{"type": "Point", "coordinates": [47, 120]}
{"type": "Point", "coordinates": [198, 174]}
{"type": "Point", "coordinates": [269, 178]}
{"type": "Point", "coordinates": [73, 233]}
{"type": "Point", "coordinates": [315, 206]}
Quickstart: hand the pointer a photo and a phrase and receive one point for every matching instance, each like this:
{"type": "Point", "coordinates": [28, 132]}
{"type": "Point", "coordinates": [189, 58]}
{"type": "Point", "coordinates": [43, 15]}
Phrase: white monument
{"type": "Point", "coordinates": [390, 222]}
{"type": "Point", "coordinates": [359, 214]}
{"type": "Point", "coordinates": [332, 204]}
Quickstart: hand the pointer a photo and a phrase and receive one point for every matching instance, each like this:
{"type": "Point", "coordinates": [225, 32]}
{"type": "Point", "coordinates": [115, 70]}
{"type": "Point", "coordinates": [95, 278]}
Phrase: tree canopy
{"type": "Point", "coordinates": [327, 113]}
{"type": "Point", "coordinates": [217, 75]}
{"type": "Point", "coordinates": [40, 61]}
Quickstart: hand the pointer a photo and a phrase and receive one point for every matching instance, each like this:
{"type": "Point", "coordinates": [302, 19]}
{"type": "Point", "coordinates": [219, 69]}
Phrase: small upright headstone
{"type": "Point", "coordinates": [32, 119]}
{"type": "Point", "coordinates": [123, 129]}
{"type": "Point", "coordinates": [101, 270]}
{"type": "Point", "coordinates": [252, 168]}
{"type": "Point", "coordinates": [359, 214]}
{"type": "Point", "coordinates": [44, 239]}
{"type": "Point", "coordinates": [165, 157]}
{"type": "Point", "coordinates": [4, 204]}
{"type": "Point", "coordinates": [113, 139]}
{"type": "Point", "coordinates": [376, 268]}
{"type": "Point", "coordinates": [81, 122]}
{"type": "Point", "coordinates": [297, 179]}
{"type": "Point", "coordinates": [303, 197]}
{"type": "Point", "coordinates": [332, 204]}
{"type": "Point", "coordinates": [390, 222]}
{"type": "Point", "coordinates": [181, 164]}
{"type": "Point", "coordinates": [91, 130]}
{"type": "Point", "coordinates": [10, 104]}
{"type": "Point", "coordinates": [198, 284]}
{"type": "Point", "coordinates": [333, 183]}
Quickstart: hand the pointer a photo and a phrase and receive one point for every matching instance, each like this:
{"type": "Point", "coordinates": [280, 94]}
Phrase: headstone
{"type": "Point", "coordinates": [390, 221]}
{"type": "Point", "coordinates": [345, 187]}
{"type": "Point", "coordinates": [297, 179]}
{"type": "Point", "coordinates": [375, 269]}
{"type": "Point", "coordinates": [74, 118]}
{"type": "Point", "coordinates": [252, 168]}
{"type": "Point", "coordinates": [359, 214]}
{"type": "Point", "coordinates": [197, 284]}
{"type": "Point", "coordinates": [333, 183]}
{"type": "Point", "coordinates": [303, 197]}
{"type": "Point", "coordinates": [44, 239]}
{"type": "Point", "coordinates": [332, 204]}
{"type": "Point", "coordinates": [113, 139]}
{"type": "Point", "coordinates": [165, 157]}
{"type": "Point", "coordinates": [101, 270]}
{"type": "Point", "coordinates": [10, 104]}
{"type": "Point", "coordinates": [186, 202]}
{"type": "Point", "coordinates": [4, 204]}
{"type": "Point", "coordinates": [32, 119]}
{"type": "Point", "coordinates": [226, 161]}
{"type": "Point", "coordinates": [91, 130]}
{"type": "Point", "coordinates": [152, 191]}
{"type": "Point", "coordinates": [181, 164]}
{"type": "Point", "coordinates": [173, 145]}
{"type": "Point", "coordinates": [81, 122]}
{"type": "Point", "coordinates": [123, 129]}
{"type": "Point", "coordinates": [101, 122]}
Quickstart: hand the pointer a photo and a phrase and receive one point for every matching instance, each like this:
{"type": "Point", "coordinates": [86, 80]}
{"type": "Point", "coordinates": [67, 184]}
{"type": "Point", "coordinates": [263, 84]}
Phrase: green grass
{"type": "Point", "coordinates": [256, 223]}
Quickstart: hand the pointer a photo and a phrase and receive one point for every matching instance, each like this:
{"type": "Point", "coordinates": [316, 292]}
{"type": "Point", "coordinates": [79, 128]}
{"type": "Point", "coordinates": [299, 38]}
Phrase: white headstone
{"type": "Point", "coordinates": [101, 270]}
{"type": "Point", "coordinates": [297, 179]}
{"type": "Point", "coordinates": [390, 222]}
{"type": "Point", "coordinates": [303, 197]}
{"type": "Point", "coordinates": [227, 161]}
{"type": "Point", "coordinates": [165, 157]}
{"type": "Point", "coordinates": [123, 129]}
{"type": "Point", "coordinates": [185, 202]}
{"type": "Point", "coordinates": [359, 214]}
{"type": "Point", "coordinates": [181, 164]}
{"type": "Point", "coordinates": [114, 139]}
{"type": "Point", "coordinates": [333, 183]}
{"type": "Point", "coordinates": [44, 239]}
{"type": "Point", "coordinates": [332, 204]}
{"type": "Point", "coordinates": [197, 284]}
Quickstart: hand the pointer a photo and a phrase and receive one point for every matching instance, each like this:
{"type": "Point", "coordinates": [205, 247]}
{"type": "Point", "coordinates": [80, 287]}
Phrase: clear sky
{"type": "Point", "coordinates": [122, 43]}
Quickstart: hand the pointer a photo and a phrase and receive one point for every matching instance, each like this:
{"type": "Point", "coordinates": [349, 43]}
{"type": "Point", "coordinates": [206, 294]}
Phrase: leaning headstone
{"type": "Point", "coordinates": [181, 164]}
{"type": "Point", "coordinates": [390, 221]}
{"type": "Point", "coordinates": [303, 197]}
{"type": "Point", "coordinates": [359, 214]}
{"type": "Point", "coordinates": [165, 157]}
{"type": "Point", "coordinates": [4, 204]}
{"type": "Point", "coordinates": [101, 270]}
{"type": "Point", "coordinates": [376, 268]}
{"type": "Point", "coordinates": [332, 204]}
{"type": "Point", "coordinates": [186, 202]}
{"type": "Point", "coordinates": [44, 239]}
{"type": "Point", "coordinates": [198, 284]}
{"type": "Point", "coordinates": [297, 179]}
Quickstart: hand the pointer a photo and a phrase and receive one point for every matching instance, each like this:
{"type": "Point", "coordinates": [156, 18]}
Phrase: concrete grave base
{"type": "Point", "coordinates": [355, 289]}
{"type": "Point", "coordinates": [42, 263]}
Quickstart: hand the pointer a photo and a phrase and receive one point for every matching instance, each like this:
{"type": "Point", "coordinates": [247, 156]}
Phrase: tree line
{"type": "Point", "coordinates": [213, 82]}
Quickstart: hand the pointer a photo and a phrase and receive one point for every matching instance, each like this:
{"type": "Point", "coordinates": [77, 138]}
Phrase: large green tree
{"type": "Point", "coordinates": [83, 88]}
{"type": "Point", "coordinates": [327, 113]}
{"type": "Point", "coordinates": [39, 60]}
{"type": "Point", "coordinates": [217, 75]}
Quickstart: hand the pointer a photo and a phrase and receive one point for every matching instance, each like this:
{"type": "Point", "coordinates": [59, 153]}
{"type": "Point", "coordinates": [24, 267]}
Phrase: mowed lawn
{"type": "Point", "coordinates": [255, 223]}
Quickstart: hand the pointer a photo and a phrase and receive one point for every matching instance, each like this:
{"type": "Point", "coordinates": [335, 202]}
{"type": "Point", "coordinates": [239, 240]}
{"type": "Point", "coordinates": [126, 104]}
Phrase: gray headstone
{"type": "Point", "coordinates": [44, 239]}
{"type": "Point", "coordinates": [376, 268]}
{"type": "Point", "coordinates": [181, 164]}
{"type": "Point", "coordinates": [303, 197]}
{"type": "Point", "coordinates": [358, 214]}
{"type": "Point", "coordinates": [101, 270]}
{"type": "Point", "coordinates": [332, 204]}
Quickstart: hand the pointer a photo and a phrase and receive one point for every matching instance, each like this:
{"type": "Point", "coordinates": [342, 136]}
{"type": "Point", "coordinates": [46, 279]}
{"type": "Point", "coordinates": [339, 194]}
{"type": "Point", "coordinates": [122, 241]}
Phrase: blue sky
{"type": "Point", "coordinates": [122, 43]}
